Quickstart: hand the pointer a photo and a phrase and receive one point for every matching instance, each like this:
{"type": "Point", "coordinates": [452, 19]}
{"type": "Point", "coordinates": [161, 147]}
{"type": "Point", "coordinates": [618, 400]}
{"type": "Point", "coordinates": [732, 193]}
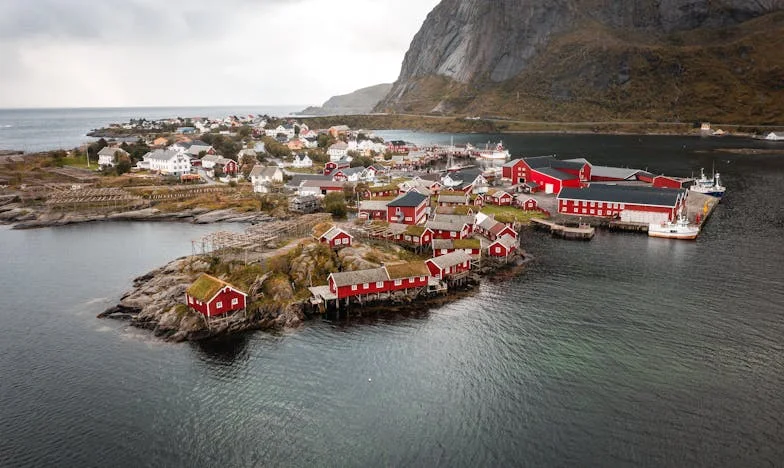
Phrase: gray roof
{"type": "Point", "coordinates": [619, 173]}
{"type": "Point", "coordinates": [455, 219]}
{"type": "Point", "coordinates": [110, 151]}
{"type": "Point", "coordinates": [452, 199]}
{"type": "Point", "coordinates": [439, 244]}
{"type": "Point", "coordinates": [348, 278]}
{"type": "Point", "coordinates": [624, 194]}
{"type": "Point", "coordinates": [507, 241]}
{"type": "Point", "coordinates": [539, 161]}
{"type": "Point", "coordinates": [373, 205]}
{"type": "Point", "coordinates": [162, 155]}
{"type": "Point", "coordinates": [410, 199]}
{"type": "Point", "coordinates": [488, 223]}
{"type": "Point", "coordinates": [334, 232]}
{"type": "Point", "coordinates": [264, 171]}
{"type": "Point", "coordinates": [444, 226]}
{"type": "Point", "coordinates": [555, 173]}
{"type": "Point", "coordinates": [451, 259]}
{"type": "Point", "coordinates": [579, 160]}
{"type": "Point", "coordinates": [352, 170]}
{"type": "Point", "coordinates": [558, 164]}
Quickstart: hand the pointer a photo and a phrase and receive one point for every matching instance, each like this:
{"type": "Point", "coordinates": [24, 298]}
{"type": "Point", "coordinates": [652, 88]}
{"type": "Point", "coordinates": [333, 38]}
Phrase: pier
{"type": "Point", "coordinates": [582, 232]}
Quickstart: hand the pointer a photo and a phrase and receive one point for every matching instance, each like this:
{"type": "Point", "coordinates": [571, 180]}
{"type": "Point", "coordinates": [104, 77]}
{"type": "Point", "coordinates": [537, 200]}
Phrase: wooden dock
{"type": "Point", "coordinates": [582, 232]}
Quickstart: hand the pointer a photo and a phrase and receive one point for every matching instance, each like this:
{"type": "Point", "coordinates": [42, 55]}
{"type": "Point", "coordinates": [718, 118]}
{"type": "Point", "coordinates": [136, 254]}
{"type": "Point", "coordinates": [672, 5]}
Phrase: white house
{"type": "Point", "coordinates": [168, 162]}
{"type": "Point", "coordinates": [302, 160]}
{"type": "Point", "coordinates": [338, 151]}
{"type": "Point", "coordinates": [775, 136]}
{"type": "Point", "coordinates": [263, 176]}
{"type": "Point", "coordinates": [107, 157]}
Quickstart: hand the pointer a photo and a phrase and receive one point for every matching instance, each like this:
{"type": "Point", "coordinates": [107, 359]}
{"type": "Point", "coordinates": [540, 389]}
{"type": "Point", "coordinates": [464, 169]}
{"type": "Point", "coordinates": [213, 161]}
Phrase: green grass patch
{"type": "Point", "coordinates": [508, 214]}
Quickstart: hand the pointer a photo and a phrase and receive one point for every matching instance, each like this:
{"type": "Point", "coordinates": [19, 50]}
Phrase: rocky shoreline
{"type": "Point", "coordinates": [156, 303]}
{"type": "Point", "coordinates": [11, 212]}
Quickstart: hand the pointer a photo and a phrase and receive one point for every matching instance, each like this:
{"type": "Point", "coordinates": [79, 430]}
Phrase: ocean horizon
{"type": "Point", "coordinates": [46, 129]}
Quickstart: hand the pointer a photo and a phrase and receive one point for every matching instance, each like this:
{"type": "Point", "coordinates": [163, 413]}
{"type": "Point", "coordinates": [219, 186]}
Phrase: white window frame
{"type": "Point", "coordinates": [235, 301]}
{"type": "Point", "coordinates": [379, 284]}
{"type": "Point", "coordinates": [365, 286]}
{"type": "Point", "coordinates": [398, 282]}
{"type": "Point", "coordinates": [353, 287]}
{"type": "Point", "coordinates": [219, 305]}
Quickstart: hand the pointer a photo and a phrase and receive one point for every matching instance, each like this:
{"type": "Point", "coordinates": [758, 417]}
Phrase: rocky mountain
{"type": "Point", "coordinates": [597, 59]}
{"type": "Point", "coordinates": [361, 101]}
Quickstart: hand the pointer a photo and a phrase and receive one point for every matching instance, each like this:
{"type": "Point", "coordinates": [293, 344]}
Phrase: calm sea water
{"type": "Point", "coordinates": [48, 129]}
{"type": "Point", "coordinates": [624, 351]}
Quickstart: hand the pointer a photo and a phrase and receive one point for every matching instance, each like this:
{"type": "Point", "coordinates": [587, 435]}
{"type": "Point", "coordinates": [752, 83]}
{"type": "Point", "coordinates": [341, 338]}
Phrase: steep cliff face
{"type": "Point", "coordinates": [587, 49]}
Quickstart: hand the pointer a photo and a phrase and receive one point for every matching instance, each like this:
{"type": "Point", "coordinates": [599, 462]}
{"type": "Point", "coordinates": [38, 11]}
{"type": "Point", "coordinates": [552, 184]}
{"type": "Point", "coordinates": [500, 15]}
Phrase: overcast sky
{"type": "Point", "coordinates": [85, 53]}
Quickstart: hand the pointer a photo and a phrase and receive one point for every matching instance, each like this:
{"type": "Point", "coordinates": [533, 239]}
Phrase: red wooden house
{"type": "Point", "coordinates": [448, 230]}
{"type": "Point", "coordinates": [373, 209]}
{"type": "Point", "coordinates": [499, 197]}
{"type": "Point", "coordinates": [403, 276]}
{"type": "Point", "coordinates": [333, 166]}
{"type": "Point", "coordinates": [493, 229]}
{"type": "Point", "coordinates": [453, 198]}
{"type": "Point", "coordinates": [449, 265]}
{"type": "Point", "coordinates": [417, 236]}
{"type": "Point", "coordinates": [381, 191]}
{"type": "Point", "coordinates": [211, 297]}
{"type": "Point", "coordinates": [358, 283]}
{"type": "Point", "coordinates": [526, 203]}
{"type": "Point", "coordinates": [228, 166]}
{"type": "Point", "coordinates": [336, 238]}
{"type": "Point", "coordinates": [409, 208]}
{"type": "Point", "coordinates": [472, 247]}
{"type": "Point", "coordinates": [502, 247]}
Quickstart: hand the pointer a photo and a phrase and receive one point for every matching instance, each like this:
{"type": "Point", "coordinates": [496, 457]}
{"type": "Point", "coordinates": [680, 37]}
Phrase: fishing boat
{"type": "Point", "coordinates": [499, 153]}
{"type": "Point", "coordinates": [709, 186]}
{"type": "Point", "coordinates": [680, 229]}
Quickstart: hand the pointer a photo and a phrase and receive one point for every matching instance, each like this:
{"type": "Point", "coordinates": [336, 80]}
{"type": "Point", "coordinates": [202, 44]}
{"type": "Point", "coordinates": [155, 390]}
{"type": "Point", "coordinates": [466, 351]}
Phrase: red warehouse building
{"type": "Point", "coordinates": [409, 208]}
{"type": "Point", "coordinates": [553, 180]}
{"type": "Point", "coordinates": [450, 265]}
{"type": "Point", "coordinates": [517, 170]}
{"type": "Point", "coordinates": [630, 204]}
{"type": "Point", "coordinates": [663, 181]}
{"type": "Point", "coordinates": [211, 297]}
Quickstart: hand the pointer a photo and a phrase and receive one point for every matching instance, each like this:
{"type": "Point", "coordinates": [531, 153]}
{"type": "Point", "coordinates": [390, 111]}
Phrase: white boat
{"type": "Point", "coordinates": [680, 229]}
{"type": "Point", "coordinates": [499, 153]}
{"type": "Point", "coordinates": [708, 186]}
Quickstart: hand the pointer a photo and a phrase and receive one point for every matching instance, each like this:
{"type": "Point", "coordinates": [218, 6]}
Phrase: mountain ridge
{"type": "Point", "coordinates": [565, 60]}
{"type": "Point", "coordinates": [361, 101]}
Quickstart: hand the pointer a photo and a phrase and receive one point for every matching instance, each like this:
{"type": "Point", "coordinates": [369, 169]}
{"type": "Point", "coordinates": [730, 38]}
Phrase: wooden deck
{"type": "Point", "coordinates": [583, 232]}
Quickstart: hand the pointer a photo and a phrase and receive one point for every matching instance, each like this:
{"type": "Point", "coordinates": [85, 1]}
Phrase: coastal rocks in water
{"type": "Point", "coordinates": [157, 303]}
{"type": "Point", "coordinates": [16, 214]}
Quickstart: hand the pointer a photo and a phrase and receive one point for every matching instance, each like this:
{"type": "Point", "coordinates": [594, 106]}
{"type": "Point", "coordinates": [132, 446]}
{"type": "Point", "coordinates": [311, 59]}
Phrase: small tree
{"type": "Point", "coordinates": [123, 165]}
{"type": "Point", "coordinates": [335, 203]}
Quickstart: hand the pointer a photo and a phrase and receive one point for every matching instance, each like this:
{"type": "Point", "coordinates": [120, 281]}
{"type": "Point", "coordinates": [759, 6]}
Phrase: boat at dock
{"type": "Point", "coordinates": [680, 229]}
{"type": "Point", "coordinates": [709, 186]}
{"type": "Point", "coordinates": [499, 153]}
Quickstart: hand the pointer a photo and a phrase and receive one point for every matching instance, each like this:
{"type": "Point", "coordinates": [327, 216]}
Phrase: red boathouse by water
{"type": "Point", "coordinates": [211, 297]}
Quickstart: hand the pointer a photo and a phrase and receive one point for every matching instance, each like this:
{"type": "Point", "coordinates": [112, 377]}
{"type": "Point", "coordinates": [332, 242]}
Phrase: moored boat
{"type": "Point", "coordinates": [680, 229]}
{"type": "Point", "coordinates": [499, 153]}
{"type": "Point", "coordinates": [709, 186]}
